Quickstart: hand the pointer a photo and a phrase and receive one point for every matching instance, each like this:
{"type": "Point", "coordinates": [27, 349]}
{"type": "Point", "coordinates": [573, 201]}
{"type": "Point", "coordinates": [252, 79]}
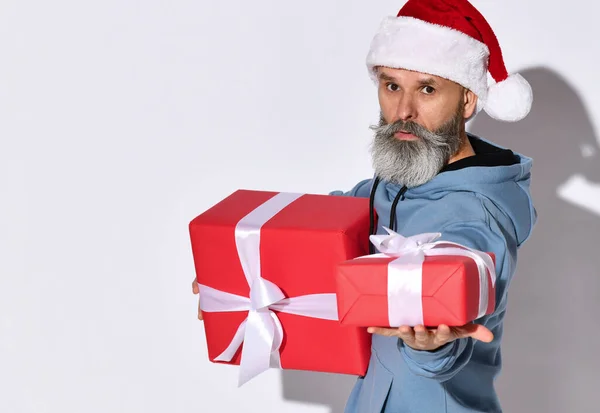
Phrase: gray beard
{"type": "Point", "coordinates": [414, 163]}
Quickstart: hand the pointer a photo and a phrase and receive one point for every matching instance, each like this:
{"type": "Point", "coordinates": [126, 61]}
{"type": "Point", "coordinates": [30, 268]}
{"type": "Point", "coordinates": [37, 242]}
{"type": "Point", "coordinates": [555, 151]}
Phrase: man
{"type": "Point", "coordinates": [431, 64]}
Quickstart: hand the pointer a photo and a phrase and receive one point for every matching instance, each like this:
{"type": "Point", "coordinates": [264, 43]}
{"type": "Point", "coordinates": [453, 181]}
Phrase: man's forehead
{"type": "Point", "coordinates": [388, 73]}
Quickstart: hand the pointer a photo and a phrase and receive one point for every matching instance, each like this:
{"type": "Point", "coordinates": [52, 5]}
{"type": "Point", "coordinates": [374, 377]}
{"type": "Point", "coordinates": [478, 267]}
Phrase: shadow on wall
{"type": "Point", "coordinates": [550, 343]}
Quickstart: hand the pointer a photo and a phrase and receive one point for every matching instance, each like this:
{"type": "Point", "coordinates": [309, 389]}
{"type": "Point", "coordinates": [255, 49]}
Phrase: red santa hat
{"type": "Point", "coordinates": [451, 39]}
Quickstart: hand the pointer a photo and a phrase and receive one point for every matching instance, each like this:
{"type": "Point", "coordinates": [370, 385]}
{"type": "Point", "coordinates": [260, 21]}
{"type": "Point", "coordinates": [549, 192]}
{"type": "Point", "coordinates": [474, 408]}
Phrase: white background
{"type": "Point", "coordinates": [120, 121]}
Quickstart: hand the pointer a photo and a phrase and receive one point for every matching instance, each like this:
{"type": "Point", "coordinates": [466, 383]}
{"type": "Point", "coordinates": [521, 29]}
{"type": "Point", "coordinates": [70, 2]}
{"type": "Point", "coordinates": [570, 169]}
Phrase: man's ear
{"type": "Point", "coordinates": [470, 100]}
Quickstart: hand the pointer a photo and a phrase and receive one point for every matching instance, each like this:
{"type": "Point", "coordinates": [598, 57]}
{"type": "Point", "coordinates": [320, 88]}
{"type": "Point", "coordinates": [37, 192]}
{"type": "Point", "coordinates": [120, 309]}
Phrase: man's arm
{"type": "Point", "coordinates": [361, 190]}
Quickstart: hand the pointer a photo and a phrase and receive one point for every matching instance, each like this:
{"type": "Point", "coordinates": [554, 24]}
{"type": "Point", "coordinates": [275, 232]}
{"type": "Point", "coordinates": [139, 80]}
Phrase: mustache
{"type": "Point", "coordinates": [440, 137]}
{"type": "Point", "coordinates": [390, 129]}
{"type": "Point", "coordinates": [428, 137]}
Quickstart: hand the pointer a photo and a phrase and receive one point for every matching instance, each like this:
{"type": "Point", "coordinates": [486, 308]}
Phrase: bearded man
{"type": "Point", "coordinates": [436, 65]}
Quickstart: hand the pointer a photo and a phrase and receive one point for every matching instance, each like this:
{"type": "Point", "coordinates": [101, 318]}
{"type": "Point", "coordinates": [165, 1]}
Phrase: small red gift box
{"type": "Point", "coordinates": [265, 263]}
{"type": "Point", "coordinates": [416, 281]}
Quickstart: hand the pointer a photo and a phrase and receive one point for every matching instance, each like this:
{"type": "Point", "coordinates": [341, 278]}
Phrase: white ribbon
{"type": "Point", "coordinates": [261, 332]}
{"type": "Point", "coordinates": [405, 274]}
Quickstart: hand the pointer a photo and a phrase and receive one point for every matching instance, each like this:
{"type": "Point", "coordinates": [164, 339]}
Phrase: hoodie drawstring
{"type": "Point", "coordinates": [392, 226]}
{"type": "Point", "coordinates": [399, 197]}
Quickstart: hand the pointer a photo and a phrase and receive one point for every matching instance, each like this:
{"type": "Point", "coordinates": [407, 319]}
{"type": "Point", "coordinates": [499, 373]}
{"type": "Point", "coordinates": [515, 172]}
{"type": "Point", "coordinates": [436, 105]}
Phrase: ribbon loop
{"type": "Point", "coordinates": [396, 245]}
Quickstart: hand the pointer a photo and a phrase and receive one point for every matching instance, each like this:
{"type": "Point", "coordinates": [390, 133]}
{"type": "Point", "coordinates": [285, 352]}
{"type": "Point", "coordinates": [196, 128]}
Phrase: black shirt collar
{"type": "Point", "coordinates": [486, 154]}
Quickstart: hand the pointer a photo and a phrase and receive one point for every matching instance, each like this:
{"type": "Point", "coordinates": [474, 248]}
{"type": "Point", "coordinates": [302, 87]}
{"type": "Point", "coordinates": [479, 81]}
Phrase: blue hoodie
{"type": "Point", "coordinates": [482, 202]}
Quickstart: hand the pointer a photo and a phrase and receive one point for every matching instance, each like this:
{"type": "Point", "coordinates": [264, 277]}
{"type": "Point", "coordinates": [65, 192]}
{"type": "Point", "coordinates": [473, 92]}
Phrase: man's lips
{"type": "Point", "coordinates": [405, 136]}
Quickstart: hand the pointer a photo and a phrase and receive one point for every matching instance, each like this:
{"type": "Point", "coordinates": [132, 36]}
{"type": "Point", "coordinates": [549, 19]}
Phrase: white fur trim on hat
{"type": "Point", "coordinates": [413, 44]}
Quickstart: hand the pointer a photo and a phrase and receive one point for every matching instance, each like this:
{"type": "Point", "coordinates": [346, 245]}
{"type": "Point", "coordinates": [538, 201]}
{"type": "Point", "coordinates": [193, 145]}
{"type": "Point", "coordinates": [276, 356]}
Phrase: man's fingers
{"type": "Point", "coordinates": [483, 334]}
{"type": "Point", "coordinates": [422, 336]}
{"type": "Point", "coordinates": [476, 331]}
{"type": "Point", "coordinates": [443, 334]}
{"type": "Point", "coordinates": [388, 332]}
{"type": "Point", "coordinates": [196, 290]}
{"type": "Point", "coordinates": [199, 311]}
{"type": "Point", "coordinates": [404, 332]}
{"type": "Point", "coordinates": [407, 334]}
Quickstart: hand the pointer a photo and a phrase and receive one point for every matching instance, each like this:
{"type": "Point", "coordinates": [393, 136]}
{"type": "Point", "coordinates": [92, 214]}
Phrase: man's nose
{"type": "Point", "coordinates": [406, 109]}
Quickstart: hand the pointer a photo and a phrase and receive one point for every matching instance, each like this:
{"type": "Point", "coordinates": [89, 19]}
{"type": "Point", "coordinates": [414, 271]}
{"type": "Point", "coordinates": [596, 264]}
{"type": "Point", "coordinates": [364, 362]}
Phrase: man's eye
{"type": "Point", "coordinates": [428, 90]}
{"type": "Point", "coordinates": [392, 87]}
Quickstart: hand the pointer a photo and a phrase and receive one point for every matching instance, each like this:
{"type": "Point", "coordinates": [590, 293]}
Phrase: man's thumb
{"type": "Point", "coordinates": [481, 333]}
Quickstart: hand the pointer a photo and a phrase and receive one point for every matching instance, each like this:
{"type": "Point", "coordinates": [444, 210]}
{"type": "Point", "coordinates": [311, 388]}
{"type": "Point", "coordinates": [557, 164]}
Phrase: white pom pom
{"type": "Point", "coordinates": [509, 100]}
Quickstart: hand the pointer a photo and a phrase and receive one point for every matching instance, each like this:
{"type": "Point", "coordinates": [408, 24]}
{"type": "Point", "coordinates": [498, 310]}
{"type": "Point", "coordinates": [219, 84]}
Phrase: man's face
{"type": "Point", "coordinates": [421, 127]}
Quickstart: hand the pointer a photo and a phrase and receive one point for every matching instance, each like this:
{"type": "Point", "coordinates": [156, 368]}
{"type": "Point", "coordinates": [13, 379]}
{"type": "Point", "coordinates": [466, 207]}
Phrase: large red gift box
{"type": "Point", "coordinates": [300, 247]}
{"type": "Point", "coordinates": [443, 289]}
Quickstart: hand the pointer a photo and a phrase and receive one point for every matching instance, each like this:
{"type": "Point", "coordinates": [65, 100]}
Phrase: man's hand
{"type": "Point", "coordinates": [196, 290]}
{"type": "Point", "coordinates": [421, 338]}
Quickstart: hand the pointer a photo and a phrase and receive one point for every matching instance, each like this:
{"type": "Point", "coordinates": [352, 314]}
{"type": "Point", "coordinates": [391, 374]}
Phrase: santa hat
{"type": "Point", "coordinates": [451, 39]}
